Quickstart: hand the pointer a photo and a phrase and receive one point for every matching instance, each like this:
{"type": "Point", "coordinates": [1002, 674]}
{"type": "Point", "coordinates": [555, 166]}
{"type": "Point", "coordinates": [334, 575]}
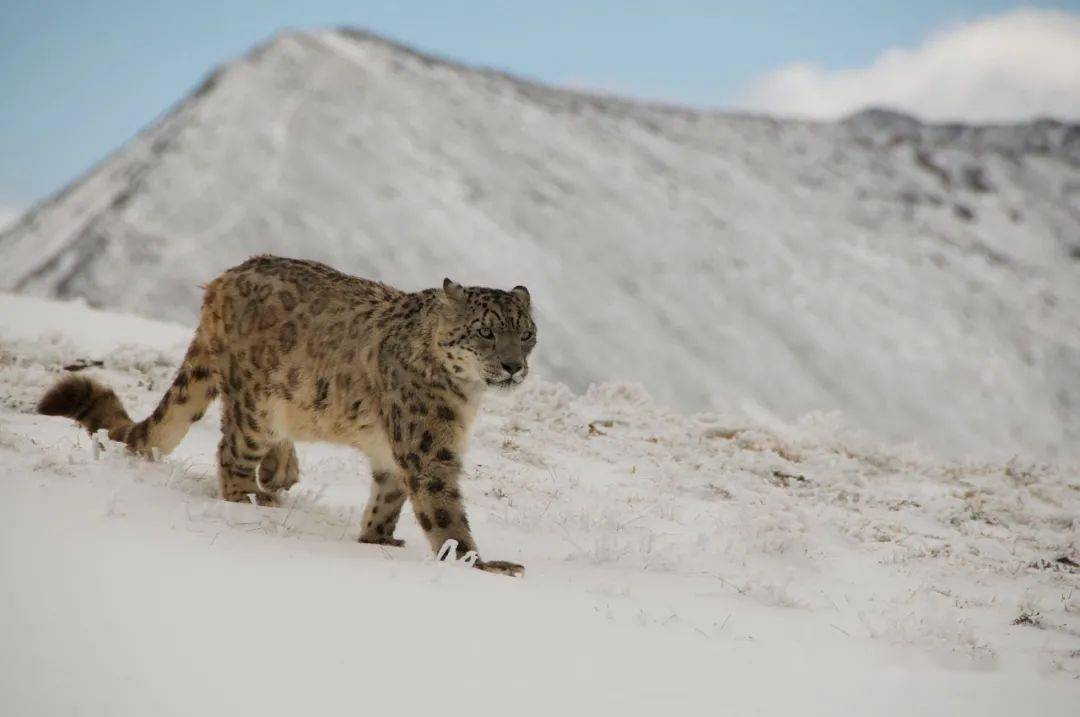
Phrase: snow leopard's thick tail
{"type": "Point", "coordinates": [96, 406]}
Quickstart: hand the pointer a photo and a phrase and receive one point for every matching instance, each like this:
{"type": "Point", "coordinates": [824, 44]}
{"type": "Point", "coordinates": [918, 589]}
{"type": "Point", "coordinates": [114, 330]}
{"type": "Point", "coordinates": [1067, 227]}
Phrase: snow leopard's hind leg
{"type": "Point", "coordinates": [279, 469]}
{"type": "Point", "coordinates": [245, 442]}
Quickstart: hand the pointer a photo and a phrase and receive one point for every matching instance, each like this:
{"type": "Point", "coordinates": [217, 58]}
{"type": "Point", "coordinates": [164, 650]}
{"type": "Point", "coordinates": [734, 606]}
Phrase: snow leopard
{"type": "Point", "coordinates": [298, 351]}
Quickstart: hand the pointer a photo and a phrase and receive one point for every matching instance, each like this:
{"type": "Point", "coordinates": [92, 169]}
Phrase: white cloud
{"type": "Point", "coordinates": [1015, 66]}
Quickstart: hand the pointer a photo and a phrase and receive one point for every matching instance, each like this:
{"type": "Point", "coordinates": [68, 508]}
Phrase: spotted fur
{"type": "Point", "coordinates": [300, 352]}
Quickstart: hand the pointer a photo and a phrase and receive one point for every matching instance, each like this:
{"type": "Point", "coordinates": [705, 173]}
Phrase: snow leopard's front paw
{"type": "Point", "coordinates": [503, 567]}
{"type": "Point", "coordinates": [379, 540]}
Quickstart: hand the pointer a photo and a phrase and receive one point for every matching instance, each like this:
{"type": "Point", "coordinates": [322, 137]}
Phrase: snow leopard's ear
{"type": "Point", "coordinates": [453, 290]}
{"type": "Point", "coordinates": [522, 293]}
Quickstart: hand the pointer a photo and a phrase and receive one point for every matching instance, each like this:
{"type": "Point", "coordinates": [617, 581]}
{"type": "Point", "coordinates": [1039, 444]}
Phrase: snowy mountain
{"type": "Point", "coordinates": [923, 280]}
{"type": "Point", "coordinates": [676, 564]}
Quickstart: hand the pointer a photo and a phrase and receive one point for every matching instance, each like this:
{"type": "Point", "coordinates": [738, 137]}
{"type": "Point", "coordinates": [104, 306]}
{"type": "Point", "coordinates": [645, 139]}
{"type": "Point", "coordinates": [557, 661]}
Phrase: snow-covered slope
{"type": "Point", "coordinates": [677, 564]}
{"type": "Point", "coordinates": [924, 280]}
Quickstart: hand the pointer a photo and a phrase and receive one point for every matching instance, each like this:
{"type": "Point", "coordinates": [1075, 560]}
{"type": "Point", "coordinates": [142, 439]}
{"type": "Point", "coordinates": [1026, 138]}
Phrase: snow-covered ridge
{"type": "Point", "coordinates": [674, 562]}
{"type": "Point", "coordinates": [921, 279]}
{"type": "Point", "coordinates": [1042, 136]}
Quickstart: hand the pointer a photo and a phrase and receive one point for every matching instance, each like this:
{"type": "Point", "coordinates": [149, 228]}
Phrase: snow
{"type": "Point", "coordinates": [696, 563]}
{"type": "Point", "coordinates": [922, 280]}
{"type": "Point", "coordinates": [8, 217]}
{"type": "Point", "coordinates": [27, 318]}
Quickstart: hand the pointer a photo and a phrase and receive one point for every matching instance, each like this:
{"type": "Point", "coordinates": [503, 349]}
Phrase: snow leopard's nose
{"type": "Point", "coordinates": [512, 366]}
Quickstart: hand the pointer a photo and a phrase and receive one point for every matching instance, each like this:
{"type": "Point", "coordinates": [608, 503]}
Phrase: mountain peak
{"type": "Point", "coordinates": [727, 262]}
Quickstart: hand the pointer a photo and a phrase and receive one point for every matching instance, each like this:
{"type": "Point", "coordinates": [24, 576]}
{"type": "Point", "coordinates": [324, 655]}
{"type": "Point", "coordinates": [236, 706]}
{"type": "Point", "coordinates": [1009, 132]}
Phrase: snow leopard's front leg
{"type": "Point", "coordinates": [384, 507]}
{"type": "Point", "coordinates": [429, 460]}
{"type": "Point", "coordinates": [433, 487]}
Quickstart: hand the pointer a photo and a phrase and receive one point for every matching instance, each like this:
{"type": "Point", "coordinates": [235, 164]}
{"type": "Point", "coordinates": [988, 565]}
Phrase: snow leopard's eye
{"type": "Point", "coordinates": [526, 335]}
{"type": "Point", "coordinates": [485, 333]}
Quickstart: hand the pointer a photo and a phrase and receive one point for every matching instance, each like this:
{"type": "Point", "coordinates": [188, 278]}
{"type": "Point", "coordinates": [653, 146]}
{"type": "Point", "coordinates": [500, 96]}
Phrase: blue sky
{"type": "Point", "coordinates": [79, 78]}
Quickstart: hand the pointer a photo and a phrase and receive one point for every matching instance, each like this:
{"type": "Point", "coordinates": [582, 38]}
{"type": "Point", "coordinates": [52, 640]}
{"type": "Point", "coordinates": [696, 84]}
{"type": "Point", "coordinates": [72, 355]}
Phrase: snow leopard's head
{"type": "Point", "coordinates": [486, 335]}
